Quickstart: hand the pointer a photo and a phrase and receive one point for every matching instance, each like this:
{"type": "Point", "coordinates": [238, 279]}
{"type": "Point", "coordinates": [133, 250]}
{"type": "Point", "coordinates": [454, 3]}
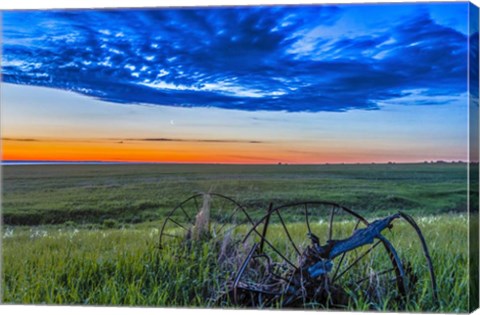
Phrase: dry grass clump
{"type": "Point", "coordinates": [201, 229]}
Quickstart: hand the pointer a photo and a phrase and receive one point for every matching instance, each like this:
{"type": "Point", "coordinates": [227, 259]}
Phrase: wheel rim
{"type": "Point", "coordinates": [291, 253]}
{"type": "Point", "coordinates": [225, 215]}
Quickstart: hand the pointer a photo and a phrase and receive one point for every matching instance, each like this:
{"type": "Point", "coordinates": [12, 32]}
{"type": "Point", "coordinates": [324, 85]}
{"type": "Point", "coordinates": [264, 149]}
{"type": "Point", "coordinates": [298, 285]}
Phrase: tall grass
{"type": "Point", "coordinates": [66, 265]}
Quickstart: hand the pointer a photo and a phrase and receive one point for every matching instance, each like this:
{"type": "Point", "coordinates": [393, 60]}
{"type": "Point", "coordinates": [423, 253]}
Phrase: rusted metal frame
{"type": "Point", "coordinates": [340, 248]}
{"type": "Point", "coordinates": [359, 238]}
{"type": "Point", "coordinates": [351, 212]}
{"type": "Point", "coordinates": [236, 283]}
{"type": "Point", "coordinates": [254, 230]}
{"type": "Point", "coordinates": [366, 236]}
{"type": "Point", "coordinates": [410, 220]}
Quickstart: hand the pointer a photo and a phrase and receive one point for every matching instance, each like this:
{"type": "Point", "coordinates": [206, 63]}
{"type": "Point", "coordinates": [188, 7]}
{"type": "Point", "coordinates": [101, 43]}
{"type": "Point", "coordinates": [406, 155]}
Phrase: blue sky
{"type": "Point", "coordinates": [373, 82]}
{"type": "Point", "coordinates": [309, 58]}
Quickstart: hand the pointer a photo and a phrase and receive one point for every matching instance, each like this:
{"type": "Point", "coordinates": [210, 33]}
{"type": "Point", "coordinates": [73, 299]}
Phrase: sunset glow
{"type": "Point", "coordinates": [307, 85]}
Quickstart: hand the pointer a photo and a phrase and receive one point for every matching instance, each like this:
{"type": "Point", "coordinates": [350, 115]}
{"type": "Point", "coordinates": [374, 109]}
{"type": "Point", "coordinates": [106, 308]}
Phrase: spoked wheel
{"type": "Point", "coordinates": [408, 237]}
{"type": "Point", "coordinates": [204, 217]}
{"type": "Point", "coordinates": [318, 254]}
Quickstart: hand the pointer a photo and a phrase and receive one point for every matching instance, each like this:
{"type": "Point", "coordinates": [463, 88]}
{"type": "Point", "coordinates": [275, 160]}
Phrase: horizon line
{"type": "Point", "coordinates": [98, 162]}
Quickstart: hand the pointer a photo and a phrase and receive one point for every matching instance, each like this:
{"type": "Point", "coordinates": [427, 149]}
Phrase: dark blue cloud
{"type": "Point", "coordinates": [250, 58]}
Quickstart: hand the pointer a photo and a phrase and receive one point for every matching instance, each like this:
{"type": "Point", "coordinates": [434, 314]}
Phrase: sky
{"type": "Point", "coordinates": [291, 84]}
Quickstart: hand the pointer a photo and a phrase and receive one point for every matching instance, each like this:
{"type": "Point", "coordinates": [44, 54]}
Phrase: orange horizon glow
{"type": "Point", "coordinates": [40, 124]}
{"type": "Point", "coordinates": [184, 152]}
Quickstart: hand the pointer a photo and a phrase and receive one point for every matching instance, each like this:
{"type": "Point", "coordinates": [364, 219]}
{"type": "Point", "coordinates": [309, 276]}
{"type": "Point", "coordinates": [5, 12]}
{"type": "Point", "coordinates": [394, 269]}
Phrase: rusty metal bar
{"type": "Point", "coordinates": [265, 227]}
{"type": "Point", "coordinates": [242, 270]}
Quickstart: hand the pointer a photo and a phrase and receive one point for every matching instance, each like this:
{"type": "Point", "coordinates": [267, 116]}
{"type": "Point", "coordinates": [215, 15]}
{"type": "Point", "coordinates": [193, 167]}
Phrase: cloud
{"type": "Point", "coordinates": [20, 139]}
{"type": "Point", "coordinates": [138, 139]}
{"type": "Point", "coordinates": [191, 140]}
{"type": "Point", "coordinates": [248, 58]}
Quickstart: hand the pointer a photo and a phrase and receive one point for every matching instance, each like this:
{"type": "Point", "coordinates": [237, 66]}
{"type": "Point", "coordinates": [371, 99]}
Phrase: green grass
{"type": "Point", "coordinates": [88, 234]}
{"type": "Point", "coordinates": [53, 194]}
{"type": "Point", "coordinates": [58, 265]}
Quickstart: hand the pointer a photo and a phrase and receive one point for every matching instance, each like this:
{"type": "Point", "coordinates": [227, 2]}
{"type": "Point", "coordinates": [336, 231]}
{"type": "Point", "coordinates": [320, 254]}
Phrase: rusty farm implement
{"type": "Point", "coordinates": [303, 254]}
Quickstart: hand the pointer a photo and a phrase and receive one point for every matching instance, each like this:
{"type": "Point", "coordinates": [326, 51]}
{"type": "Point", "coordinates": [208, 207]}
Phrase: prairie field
{"type": "Point", "coordinates": [89, 234]}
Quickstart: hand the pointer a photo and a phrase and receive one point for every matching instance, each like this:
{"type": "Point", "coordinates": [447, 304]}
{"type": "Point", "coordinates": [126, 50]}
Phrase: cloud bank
{"type": "Point", "coordinates": [275, 58]}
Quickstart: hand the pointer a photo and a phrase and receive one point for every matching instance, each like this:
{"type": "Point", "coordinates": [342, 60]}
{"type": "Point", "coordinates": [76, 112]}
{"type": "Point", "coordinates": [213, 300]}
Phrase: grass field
{"type": "Point", "coordinates": [51, 194]}
{"type": "Point", "coordinates": [124, 267]}
{"type": "Point", "coordinates": [88, 234]}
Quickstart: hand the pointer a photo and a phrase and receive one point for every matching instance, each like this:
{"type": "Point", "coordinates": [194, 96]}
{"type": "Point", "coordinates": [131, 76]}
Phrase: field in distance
{"type": "Point", "coordinates": [134, 193]}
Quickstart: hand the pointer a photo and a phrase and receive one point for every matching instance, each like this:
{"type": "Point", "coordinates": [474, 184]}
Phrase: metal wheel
{"type": "Point", "coordinates": [297, 260]}
{"type": "Point", "coordinates": [201, 217]}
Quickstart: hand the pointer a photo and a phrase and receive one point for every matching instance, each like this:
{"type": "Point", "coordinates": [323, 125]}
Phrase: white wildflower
{"type": "Point", "coordinates": [153, 232]}
{"type": "Point", "coordinates": [8, 233]}
{"type": "Point", "coordinates": [36, 233]}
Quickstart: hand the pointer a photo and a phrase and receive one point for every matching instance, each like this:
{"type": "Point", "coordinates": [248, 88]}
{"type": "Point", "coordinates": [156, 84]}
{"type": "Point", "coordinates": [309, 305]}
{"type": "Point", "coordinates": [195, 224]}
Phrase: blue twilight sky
{"type": "Point", "coordinates": [309, 58]}
{"type": "Point", "coordinates": [296, 65]}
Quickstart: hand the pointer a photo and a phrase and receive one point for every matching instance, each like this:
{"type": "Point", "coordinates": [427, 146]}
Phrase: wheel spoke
{"type": "Point", "coordinates": [345, 253]}
{"type": "Point", "coordinates": [288, 234]}
{"type": "Point", "coordinates": [356, 261]}
{"type": "Point", "coordinates": [227, 221]}
{"type": "Point", "coordinates": [279, 253]}
{"type": "Point", "coordinates": [186, 214]}
{"type": "Point", "coordinates": [338, 265]}
{"type": "Point", "coordinates": [356, 225]}
{"type": "Point", "coordinates": [175, 222]}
